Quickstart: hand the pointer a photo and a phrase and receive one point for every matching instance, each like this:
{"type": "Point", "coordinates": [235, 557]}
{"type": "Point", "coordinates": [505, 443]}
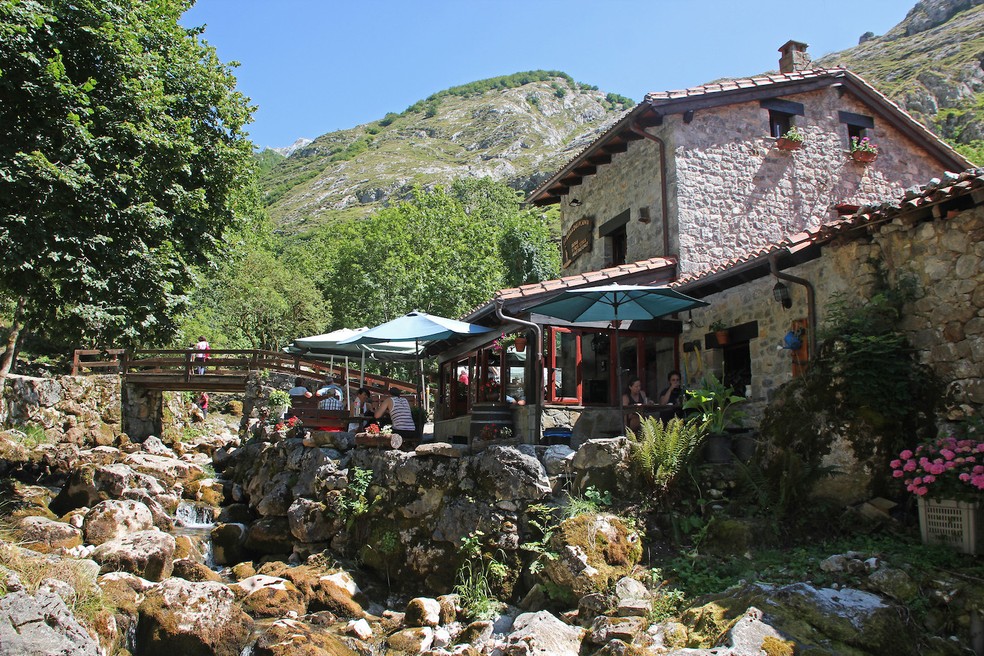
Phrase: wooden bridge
{"type": "Point", "coordinates": [225, 370]}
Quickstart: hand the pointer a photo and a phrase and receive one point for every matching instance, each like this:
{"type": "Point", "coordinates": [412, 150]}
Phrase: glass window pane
{"type": "Point", "coordinates": [629, 349]}
{"type": "Point", "coordinates": [596, 367]}
{"type": "Point", "coordinates": [516, 381]}
{"type": "Point", "coordinates": [565, 367]}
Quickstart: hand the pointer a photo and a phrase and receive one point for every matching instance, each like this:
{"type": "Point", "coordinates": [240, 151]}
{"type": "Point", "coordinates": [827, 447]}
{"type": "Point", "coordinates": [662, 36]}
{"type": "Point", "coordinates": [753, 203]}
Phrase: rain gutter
{"type": "Point", "coordinates": [665, 213]}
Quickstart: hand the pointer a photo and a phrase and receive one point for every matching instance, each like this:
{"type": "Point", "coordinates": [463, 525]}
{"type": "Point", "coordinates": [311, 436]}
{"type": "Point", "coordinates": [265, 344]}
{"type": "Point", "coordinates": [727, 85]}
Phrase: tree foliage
{"type": "Point", "coordinates": [122, 154]}
{"type": "Point", "coordinates": [442, 251]}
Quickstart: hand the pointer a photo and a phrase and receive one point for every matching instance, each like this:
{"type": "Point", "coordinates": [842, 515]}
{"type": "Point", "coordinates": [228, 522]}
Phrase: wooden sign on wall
{"type": "Point", "coordinates": [579, 239]}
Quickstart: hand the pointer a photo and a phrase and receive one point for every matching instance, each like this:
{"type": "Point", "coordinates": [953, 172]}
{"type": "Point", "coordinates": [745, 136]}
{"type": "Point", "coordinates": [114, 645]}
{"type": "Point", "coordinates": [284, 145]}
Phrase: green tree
{"type": "Point", "coordinates": [122, 153]}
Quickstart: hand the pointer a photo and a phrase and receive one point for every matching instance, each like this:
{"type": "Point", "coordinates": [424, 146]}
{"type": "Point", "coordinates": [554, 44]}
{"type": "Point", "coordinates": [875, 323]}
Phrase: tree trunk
{"type": "Point", "coordinates": [7, 358]}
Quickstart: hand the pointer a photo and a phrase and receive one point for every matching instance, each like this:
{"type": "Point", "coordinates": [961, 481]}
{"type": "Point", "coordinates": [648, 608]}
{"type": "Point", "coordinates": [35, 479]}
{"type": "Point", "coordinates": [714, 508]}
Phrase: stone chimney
{"type": "Point", "coordinates": [794, 57]}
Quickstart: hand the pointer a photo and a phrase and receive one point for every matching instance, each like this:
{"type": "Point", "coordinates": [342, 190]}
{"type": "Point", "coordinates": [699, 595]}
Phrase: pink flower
{"type": "Point", "coordinates": [921, 491]}
{"type": "Point", "coordinates": [898, 473]}
{"type": "Point", "coordinates": [895, 464]}
{"type": "Point", "coordinates": [905, 455]}
{"type": "Point", "coordinates": [910, 465]}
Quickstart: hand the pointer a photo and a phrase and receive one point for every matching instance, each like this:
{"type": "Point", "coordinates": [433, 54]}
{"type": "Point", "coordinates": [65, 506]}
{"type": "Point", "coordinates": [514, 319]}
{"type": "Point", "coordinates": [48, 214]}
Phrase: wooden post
{"type": "Point", "coordinates": [75, 363]}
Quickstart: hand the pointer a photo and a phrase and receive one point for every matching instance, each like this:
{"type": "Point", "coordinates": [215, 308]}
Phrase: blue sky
{"type": "Point", "coordinates": [314, 66]}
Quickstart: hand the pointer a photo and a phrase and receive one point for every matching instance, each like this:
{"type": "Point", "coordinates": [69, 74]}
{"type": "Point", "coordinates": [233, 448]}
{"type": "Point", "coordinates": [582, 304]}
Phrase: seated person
{"type": "Point", "coordinates": [299, 389]}
{"type": "Point", "coordinates": [331, 385]}
{"type": "Point", "coordinates": [672, 395]}
{"type": "Point", "coordinates": [332, 401]}
{"type": "Point", "coordinates": [398, 408]}
{"type": "Point", "coordinates": [362, 406]}
{"type": "Point", "coordinates": [634, 395]}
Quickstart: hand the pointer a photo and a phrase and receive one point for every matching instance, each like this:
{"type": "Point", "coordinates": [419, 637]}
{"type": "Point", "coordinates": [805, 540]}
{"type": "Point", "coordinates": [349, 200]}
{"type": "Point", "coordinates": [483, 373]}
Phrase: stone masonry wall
{"type": "Point", "coordinates": [630, 182]}
{"type": "Point", "coordinates": [945, 323]}
{"type": "Point", "coordinates": [732, 191]}
{"type": "Point", "coordinates": [737, 192]}
{"type": "Point", "coordinates": [75, 409]}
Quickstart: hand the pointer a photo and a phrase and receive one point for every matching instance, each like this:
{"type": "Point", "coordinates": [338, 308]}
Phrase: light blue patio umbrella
{"type": "Point", "coordinates": [615, 303]}
{"type": "Point", "coordinates": [417, 327]}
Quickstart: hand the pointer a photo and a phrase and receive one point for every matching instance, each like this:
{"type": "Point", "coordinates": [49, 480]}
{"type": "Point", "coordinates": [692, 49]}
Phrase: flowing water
{"type": "Point", "coordinates": [196, 521]}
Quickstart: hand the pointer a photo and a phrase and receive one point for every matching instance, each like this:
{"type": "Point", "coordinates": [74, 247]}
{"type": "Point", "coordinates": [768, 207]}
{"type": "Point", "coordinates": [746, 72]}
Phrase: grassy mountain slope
{"type": "Point", "coordinates": [932, 64]}
{"type": "Point", "coordinates": [514, 129]}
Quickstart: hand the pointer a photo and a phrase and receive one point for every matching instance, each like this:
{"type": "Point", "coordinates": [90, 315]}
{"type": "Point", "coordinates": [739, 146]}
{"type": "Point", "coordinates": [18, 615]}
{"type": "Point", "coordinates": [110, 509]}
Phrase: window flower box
{"type": "Point", "coordinates": [791, 140]}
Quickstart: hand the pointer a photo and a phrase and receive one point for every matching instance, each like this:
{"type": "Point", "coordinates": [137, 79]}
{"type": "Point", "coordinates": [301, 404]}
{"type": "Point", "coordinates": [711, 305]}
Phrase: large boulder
{"type": "Point", "coordinates": [169, 470]}
{"type": "Point", "coordinates": [508, 475]}
{"type": "Point", "coordinates": [191, 619]}
{"type": "Point", "coordinates": [113, 519]}
{"type": "Point", "coordinates": [602, 464]}
{"type": "Point", "coordinates": [269, 596]}
{"type": "Point", "coordinates": [148, 554]}
{"type": "Point", "coordinates": [229, 543]}
{"type": "Point", "coordinates": [41, 625]}
{"type": "Point", "coordinates": [551, 636]}
{"type": "Point", "coordinates": [287, 637]}
{"type": "Point", "coordinates": [270, 535]}
{"type": "Point", "coordinates": [834, 621]}
{"type": "Point", "coordinates": [595, 551]}
{"type": "Point", "coordinates": [46, 535]}
{"type": "Point", "coordinates": [311, 521]}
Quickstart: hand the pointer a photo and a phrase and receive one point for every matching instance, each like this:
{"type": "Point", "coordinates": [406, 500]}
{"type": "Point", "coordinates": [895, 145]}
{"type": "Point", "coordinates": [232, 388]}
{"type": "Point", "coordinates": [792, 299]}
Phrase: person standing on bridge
{"type": "Point", "coordinates": [201, 356]}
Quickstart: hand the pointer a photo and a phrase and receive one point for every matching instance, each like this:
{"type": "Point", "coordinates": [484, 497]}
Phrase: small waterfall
{"type": "Point", "coordinates": [194, 515]}
{"type": "Point", "coordinates": [196, 520]}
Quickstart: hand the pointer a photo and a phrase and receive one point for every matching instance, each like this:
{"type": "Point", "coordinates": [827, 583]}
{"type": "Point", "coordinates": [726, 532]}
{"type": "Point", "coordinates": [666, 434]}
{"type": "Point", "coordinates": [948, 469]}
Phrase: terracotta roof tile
{"type": "Point", "coordinates": [572, 281]}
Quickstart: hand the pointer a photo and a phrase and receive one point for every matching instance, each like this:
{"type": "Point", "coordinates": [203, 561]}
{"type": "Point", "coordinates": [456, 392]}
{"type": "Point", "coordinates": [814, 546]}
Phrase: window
{"type": "Point", "coordinates": [781, 113]}
{"type": "Point", "coordinates": [857, 125]}
{"type": "Point", "coordinates": [617, 242]}
{"type": "Point", "coordinates": [581, 364]}
{"type": "Point", "coordinates": [619, 246]}
{"type": "Point", "coordinates": [779, 123]}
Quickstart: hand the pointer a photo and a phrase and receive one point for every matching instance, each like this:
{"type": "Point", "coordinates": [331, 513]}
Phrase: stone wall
{"type": "Point", "coordinates": [945, 323]}
{"type": "Point", "coordinates": [731, 190]}
{"type": "Point", "coordinates": [737, 192]}
{"type": "Point", "coordinates": [75, 409]}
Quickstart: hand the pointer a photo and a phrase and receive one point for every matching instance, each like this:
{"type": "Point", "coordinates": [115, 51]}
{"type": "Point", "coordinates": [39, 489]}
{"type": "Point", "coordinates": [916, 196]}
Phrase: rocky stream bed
{"type": "Point", "coordinates": [262, 546]}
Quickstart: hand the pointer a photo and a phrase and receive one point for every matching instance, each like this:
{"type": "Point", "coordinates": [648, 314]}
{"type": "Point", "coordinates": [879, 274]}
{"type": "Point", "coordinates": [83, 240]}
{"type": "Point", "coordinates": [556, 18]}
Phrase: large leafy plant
{"type": "Point", "coordinates": [714, 403]}
{"type": "Point", "coordinates": [660, 452]}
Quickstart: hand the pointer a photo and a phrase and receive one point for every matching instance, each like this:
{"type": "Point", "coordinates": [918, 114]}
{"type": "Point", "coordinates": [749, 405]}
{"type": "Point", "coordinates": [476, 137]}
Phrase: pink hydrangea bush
{"type": "Point", "coordinates": [949, 468]}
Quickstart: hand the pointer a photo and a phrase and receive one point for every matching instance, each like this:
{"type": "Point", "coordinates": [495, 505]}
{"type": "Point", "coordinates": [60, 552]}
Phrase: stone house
{"type": "Point", "coordinates": [932, 235]}
{"type": "Point", "coordinates": [685, 182]}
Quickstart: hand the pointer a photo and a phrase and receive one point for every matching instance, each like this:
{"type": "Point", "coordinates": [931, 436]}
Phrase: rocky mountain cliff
{"type": "Point", "coordinates": [932, 64]}
{"type": "Point", "coordinates": [512, 133]}
{"type": "Point", "coordinates": [521, 128]}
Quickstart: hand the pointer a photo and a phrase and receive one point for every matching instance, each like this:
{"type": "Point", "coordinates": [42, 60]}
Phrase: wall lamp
{"type": "Point", "coordinates": [575, 203]}
{"type": "Point", "coordinates": [781, 293]}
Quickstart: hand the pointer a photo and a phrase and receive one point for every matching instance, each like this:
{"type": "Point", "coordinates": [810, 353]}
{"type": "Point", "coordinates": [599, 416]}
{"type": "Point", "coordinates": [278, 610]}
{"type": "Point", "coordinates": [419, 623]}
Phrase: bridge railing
{"type": "Point", "coordinates": [182, 365]}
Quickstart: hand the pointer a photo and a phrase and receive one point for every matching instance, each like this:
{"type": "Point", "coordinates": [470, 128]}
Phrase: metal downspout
{"type": "Point", "coordinates": [662, 184]}
{"type": "Point", "coordinates": [537, 365]}
{"type": "Point", "coordinates": [811, 304]}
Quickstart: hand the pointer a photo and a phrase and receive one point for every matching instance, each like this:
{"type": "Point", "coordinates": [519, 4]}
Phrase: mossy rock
{"type": "Point", "coordinates": [595, 551]}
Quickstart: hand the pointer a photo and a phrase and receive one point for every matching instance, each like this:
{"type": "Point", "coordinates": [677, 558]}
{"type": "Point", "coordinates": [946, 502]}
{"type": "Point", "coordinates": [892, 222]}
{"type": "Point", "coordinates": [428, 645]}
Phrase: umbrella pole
{"type": "Point", "coordinates": [362, 374]}
{"type": "Point", "coordinates": [347, 392]}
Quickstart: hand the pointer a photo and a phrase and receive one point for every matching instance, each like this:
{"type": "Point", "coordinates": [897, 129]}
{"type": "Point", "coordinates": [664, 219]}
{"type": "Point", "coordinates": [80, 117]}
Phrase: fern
{"type": "Point", "coordinates": [660, 452]}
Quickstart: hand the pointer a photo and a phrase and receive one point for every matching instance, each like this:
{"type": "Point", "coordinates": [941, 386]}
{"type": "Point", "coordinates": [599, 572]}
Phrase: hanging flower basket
{"type": "Point", "coordinates": [782, 143]}
{"type": "Point", "coordinates": [864, 156]}
{"type": "Point", "coordinates": [520, 344]}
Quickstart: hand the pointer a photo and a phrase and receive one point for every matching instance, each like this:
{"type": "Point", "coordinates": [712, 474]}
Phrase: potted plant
{"type": "Point", "coordinates": [715, 405]}
{"type": "Point", "coordinates": [720, 330]}
{"type": "Point", "coordinates": [792, 140]}
{"type": "Point", "coordinates": [947, 477]}
{"type": "Point", "coordinates": [520, 342]}
{"type": "Point", "coordinates": [863, 150]}
{"type": "Point", "coordinates": [278, 403]}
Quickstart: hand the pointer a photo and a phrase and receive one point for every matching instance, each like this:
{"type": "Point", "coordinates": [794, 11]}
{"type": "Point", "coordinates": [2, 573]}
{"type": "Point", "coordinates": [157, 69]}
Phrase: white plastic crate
{"type": "Point", "coordinates": [957, 524]}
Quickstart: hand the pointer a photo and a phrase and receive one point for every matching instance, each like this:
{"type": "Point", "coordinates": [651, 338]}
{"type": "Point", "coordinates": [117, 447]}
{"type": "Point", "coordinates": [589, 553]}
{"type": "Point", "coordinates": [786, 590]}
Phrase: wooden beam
{"type": "Point", "coordinates": [616, 148]}
{"type": "Point", "coordinates": [586, 170]}
{"type": "Point", "coordinates": [600, 159]}
{"type": "Point", "coordinates": [573, 181]}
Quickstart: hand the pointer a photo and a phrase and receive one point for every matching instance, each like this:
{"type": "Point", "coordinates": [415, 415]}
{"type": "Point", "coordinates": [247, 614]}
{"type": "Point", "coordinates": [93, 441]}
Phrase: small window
{"type": "Point", "coordinates": [619, 245]}
{"type": "Point", "coordinates": [781, 113]}
{"type": "Point", "coordinates": [857, 125]}
{"type": "Point", "coordinates": [855, 132]}
{"type": "Point", "coordinates": [779, 123]}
